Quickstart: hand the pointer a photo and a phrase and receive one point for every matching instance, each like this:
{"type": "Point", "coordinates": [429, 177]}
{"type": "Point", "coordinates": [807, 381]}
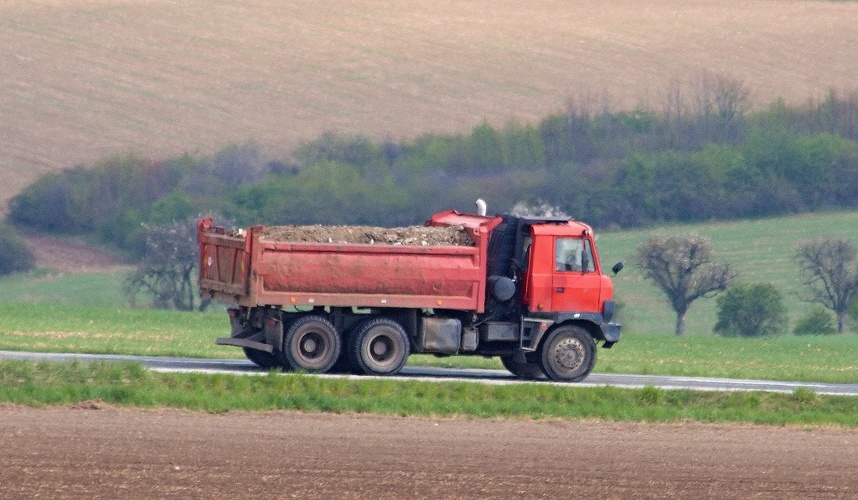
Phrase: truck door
{"type": "Point", "coordinates": [576, 283]}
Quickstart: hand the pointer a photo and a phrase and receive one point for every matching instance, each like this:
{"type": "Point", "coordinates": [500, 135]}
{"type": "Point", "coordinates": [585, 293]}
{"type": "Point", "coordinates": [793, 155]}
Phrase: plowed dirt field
{"type": "Point", "coordinates": [93, 451]}
{"type": "Point", "coordinates": [84, 80]}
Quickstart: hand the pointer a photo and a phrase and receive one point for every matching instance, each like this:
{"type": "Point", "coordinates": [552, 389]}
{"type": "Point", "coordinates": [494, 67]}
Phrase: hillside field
{"type": "Point", "coordinates": [84, 79]}
{"type": "Point", "coordinates": [760, 250]}
{"type": "Point", "coordinates": [86, 311]}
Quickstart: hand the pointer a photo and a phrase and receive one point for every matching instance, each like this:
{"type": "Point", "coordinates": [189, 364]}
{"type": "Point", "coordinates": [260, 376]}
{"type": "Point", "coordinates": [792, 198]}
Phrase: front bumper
{"type": "Point", "coordinates": [611, 334]}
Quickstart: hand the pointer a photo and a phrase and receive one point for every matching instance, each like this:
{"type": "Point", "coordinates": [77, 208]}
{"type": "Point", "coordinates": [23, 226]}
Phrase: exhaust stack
{"type": "Point", "coordinates": [481, 207]}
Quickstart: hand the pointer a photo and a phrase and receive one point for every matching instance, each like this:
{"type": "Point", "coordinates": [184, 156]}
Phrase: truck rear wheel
{"type": "Point", "coordinates": [379, 347]}
{"type": "Point", "coordinates": [568, 354]}
{"type": "Point", "coordinates": [529, 371]}
{"type": "Point", "coordinates": [262, 358]}
{"type": "Point", "coordinates": [311, 343]}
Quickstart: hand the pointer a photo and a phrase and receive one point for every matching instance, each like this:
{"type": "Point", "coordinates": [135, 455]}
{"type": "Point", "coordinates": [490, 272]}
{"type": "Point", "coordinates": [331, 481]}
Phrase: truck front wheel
{"type": "Point", "coordinates": [568, 354]}
{"type": "Point", "coordinates": [311, 343]}
{"type": "Point", "coordinates": [379, 347]}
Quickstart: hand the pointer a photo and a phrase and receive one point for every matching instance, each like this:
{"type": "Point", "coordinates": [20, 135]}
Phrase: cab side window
{"type": "Point", "coordinates": [525, 260]}
{"type": "Point", "coordinates": [574, 254]}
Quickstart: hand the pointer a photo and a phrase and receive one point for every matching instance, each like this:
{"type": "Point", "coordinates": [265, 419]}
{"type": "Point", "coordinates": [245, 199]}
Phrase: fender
{"type": "Point", "coordinates": [533, 329]}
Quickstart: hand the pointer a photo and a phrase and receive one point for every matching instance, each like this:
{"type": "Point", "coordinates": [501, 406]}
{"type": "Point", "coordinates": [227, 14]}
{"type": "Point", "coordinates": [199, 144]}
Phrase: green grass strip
{"type": "Point", "coordinates": [106, 330]}
{"type": "Point", "coordinates": [128, 384]}
{"type": "Point", "coordinates": [113, 330]}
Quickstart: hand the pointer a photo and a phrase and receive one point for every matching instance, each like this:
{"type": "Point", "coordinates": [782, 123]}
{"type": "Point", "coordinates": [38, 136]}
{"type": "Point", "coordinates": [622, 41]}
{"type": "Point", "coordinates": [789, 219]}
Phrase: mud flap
{"type": "Point", "coordinates": [252, 342]}
{"type": "Point", "coordinates": [274, 332]}
{"type": "Point", "coordinates": [245, 336]}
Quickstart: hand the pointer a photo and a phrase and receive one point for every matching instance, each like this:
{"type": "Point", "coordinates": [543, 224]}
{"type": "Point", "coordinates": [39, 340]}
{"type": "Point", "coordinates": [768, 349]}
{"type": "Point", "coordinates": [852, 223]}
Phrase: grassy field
{"type": "Point", "coordinates": [114, 330]}
{"type": "Point", "coordinates": [84, 79]}
{"type": "Point", "coordinates": [761, 251]}
{"type": "Point", "coordinates": [84, 329]}
{"type": "Point", "coordinates": [102, 289]}
{"type": "Point", "coordinates": [86, 312]}
{"type": "Point", "coordinates": [130, 385]}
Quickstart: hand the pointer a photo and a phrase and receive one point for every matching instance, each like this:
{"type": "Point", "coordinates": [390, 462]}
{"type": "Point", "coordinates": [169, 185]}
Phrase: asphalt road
{"type": "Point", "coordinates": [171, 364]}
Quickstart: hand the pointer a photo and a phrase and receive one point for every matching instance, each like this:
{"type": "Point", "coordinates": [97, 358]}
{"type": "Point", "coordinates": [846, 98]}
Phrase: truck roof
{"type": "Point", "coordinates": [469, 221]}
{"type": "Point", "coordinates": [569, 228]}
{"type": "Point", "coordinates": [540, 225]}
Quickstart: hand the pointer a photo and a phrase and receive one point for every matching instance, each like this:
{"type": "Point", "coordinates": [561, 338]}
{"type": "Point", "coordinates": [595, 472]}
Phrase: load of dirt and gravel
{"type": "Point", "coordinates": [411, 235]}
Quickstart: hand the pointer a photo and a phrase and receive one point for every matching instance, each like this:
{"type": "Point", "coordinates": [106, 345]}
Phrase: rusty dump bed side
{"type": "Point", "coordinates": [252, 271]}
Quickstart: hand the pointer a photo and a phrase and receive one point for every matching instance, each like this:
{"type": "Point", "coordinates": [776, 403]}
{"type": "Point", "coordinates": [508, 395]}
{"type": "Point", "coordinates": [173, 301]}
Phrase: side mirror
{"type": "Point", "coordinates": [617, 268]}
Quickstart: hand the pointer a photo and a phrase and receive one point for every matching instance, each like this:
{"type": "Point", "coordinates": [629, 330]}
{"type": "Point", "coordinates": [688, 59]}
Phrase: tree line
{"type": "Point", "coordinates": [703, 156]}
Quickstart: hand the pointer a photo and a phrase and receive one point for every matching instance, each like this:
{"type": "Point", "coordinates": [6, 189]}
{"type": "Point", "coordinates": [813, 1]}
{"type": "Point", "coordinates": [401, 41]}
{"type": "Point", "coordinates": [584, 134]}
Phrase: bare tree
{"type": "Point", "coordinates": [829, 272]}
{"type": "Point", "coordinates": [683, 268]}
{"type": "Point", "coordinates": [719, 104]}
{"type": "Point", "coordinates": [674, 105]}
{"type": "Point", "coordinates": [168, 269]}
{"type": "Point", "coordinates": [703, 94]}
{"type": "Point", "coordinates": [732, 98]}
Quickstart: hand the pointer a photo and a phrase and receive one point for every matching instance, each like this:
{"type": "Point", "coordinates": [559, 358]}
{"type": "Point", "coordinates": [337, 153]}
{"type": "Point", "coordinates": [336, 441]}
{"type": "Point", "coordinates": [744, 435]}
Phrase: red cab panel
{"type": "Point", "coordinates": [564, 274]}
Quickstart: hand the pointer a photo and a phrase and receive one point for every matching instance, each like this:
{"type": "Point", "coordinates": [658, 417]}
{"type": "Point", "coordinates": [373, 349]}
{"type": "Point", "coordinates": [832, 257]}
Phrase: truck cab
{"type": "Point", "coordinates": [543, 273]}
{"type": "Point", "coordinates": [563, 272]}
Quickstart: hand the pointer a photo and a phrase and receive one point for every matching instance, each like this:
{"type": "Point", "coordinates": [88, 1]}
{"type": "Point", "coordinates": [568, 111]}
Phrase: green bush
{"type": "Point", "coordinates": [16, 256]}
{"type": "Point", "coordinates": [751, 310]}
{"type": "Point", "coordinates": [817, 322]}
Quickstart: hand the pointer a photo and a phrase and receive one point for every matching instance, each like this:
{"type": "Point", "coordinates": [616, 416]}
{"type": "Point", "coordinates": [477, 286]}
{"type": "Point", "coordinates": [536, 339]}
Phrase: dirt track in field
{"type": "Point", "coordinates": [70, 256]}
{"type": "Point", "coordinates": [94, 451]}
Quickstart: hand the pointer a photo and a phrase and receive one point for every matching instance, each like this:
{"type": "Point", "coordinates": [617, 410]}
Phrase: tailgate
{"type": "Point", "coordinates": [224, 262]}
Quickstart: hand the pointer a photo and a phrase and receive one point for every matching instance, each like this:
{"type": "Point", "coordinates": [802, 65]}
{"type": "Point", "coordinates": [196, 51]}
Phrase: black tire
{"type": "Point", "coordinates": [311, 343]}
{"type": "Point", "coordinates": [262, 358]}
{"type": "Point", "coordinates": [344, 364]}
{"type": "Point", "coordinates": [528, 371]}
{"type": "Point", "coordinates": [379, 347]}
{"type": "Point", "coordinates": [568, 354]}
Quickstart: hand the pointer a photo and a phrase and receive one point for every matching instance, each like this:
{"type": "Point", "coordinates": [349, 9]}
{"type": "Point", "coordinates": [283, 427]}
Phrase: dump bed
{"type": "Point", "coordinates": [250, 270]}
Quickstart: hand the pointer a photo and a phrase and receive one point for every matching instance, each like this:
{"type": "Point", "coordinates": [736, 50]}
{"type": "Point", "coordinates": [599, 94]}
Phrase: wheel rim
{"type": "Point", "coordinates": [381, 349]}
{"type": "Point", "coordinates": [312, 346]}
{"type": "Point", "coordinates": [569, 354]}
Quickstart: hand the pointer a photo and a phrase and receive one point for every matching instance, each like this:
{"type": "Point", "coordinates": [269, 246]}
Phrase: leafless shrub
{"type": "Point", "coordinates": [684, 269]}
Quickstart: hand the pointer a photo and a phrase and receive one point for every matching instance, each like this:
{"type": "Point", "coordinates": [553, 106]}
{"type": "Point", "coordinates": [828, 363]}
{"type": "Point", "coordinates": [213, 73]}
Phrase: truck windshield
{"type": "Point", "coordinates": [574, 254]}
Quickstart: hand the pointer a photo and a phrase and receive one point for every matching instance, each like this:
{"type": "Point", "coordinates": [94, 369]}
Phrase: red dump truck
{"type": "Point", "coordinates": [529, 290]}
